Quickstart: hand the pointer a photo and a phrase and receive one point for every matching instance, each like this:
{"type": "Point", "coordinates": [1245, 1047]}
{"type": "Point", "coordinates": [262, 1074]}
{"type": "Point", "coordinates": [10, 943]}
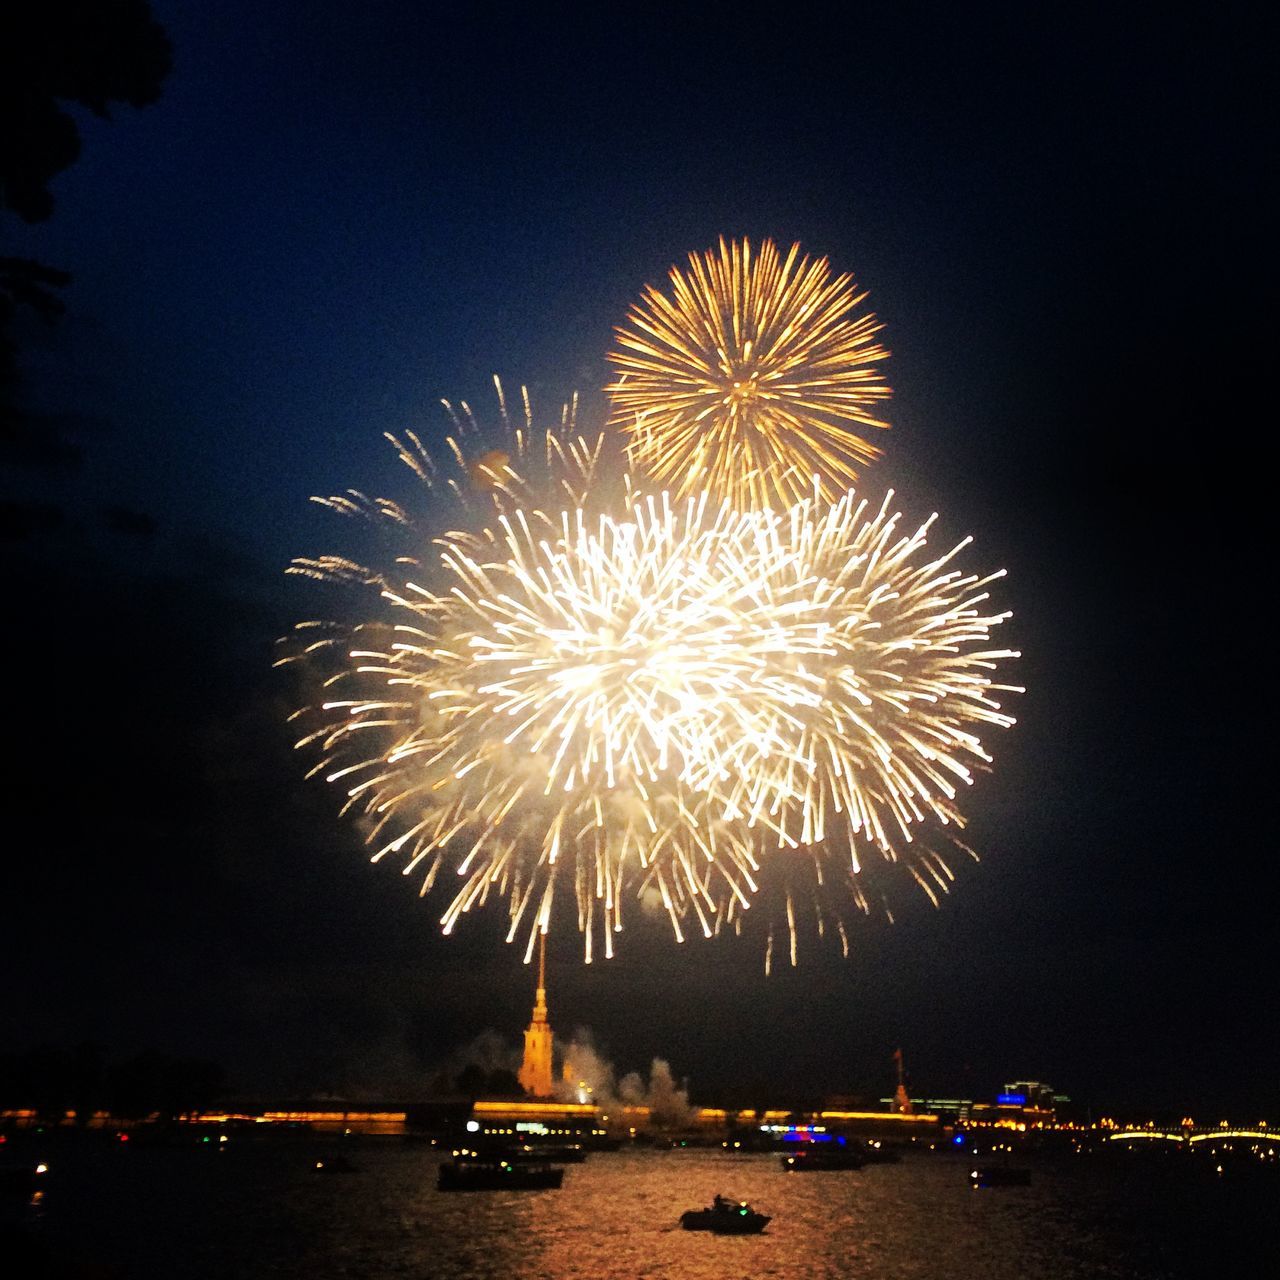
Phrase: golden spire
{"type": "Point", "coordinates": [902, 1103]}
{"type": "Point", "coordinates": [540, 1000]}
{"type": "Point", "coordinates": [535, 1071]}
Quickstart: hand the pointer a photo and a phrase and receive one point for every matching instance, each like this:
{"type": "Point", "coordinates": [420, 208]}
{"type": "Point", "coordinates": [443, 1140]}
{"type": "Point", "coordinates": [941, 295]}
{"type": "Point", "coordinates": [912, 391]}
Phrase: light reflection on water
{"type": "Point", "coordinates": [262, 1211]}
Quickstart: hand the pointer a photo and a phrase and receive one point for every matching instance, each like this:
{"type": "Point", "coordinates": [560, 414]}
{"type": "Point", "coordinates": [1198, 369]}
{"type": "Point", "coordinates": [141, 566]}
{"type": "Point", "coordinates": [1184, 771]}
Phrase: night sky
{"type": "Point", "coordinates": [336, 215]}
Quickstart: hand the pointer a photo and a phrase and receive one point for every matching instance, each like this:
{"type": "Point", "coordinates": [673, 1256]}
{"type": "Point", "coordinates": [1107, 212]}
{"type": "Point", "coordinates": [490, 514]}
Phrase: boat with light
{"type": "Point", "coordinates": [829, 1155]}
{"type": "Point", "coordinates": [998, 1175]}
{"type": "Point", "coordinates": [725, 1217]}
{"type": "Point", "coordinates": [22, 1180]}
{"type": "Point", "coordinates": [468, 1171]}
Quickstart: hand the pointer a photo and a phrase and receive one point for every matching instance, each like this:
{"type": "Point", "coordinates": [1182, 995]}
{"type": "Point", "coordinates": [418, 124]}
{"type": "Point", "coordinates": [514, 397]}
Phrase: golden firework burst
{"type": "Point", "coordinates": [746, 379]}
{"type": "Point", "coordinates": [667, 695]}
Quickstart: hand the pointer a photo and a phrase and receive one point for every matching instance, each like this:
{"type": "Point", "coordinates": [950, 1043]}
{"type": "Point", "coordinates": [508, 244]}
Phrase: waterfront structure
{"type": "Point", "coordinates": [901, 1101]}
{"type": "Point", "coordinates": [535, 1073]}
{"type": "Point", "coordinates": [1029, 1102]}
{"type": "Point", "coordinates": [1032, 1095]}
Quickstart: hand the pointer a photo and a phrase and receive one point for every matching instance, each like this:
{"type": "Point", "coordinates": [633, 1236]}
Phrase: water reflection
{"type": "Point", "coordinates": [261, 1211]}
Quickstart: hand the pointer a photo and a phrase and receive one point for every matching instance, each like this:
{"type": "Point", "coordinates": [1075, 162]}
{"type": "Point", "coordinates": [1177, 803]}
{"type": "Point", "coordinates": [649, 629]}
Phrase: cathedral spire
{"type": "Point", "coordinates": [540, 999]}
{"type": "Point", "coordinates": [902, 1103]}
{"type": "Point", "coordinates": [535, 1069]}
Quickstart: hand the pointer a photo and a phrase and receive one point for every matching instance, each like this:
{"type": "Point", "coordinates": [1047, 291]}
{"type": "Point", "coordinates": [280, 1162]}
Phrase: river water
{"type": "Point", "coordinates": [257, 1210]}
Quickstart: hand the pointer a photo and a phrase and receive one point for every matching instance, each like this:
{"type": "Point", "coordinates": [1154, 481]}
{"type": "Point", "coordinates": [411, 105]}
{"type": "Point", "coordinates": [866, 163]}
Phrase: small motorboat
{"type": "Point", "coordinates": [998, 1175]}
{"type": "Point", "coordinates": [725, 1218]}
{"type": "Point", "coordinates": [335, 1164]}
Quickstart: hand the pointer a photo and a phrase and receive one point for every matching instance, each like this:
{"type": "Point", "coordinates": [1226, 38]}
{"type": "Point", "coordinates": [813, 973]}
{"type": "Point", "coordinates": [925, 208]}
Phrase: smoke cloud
{"type": "Point", "coordinates": [592, 1079]}
{"type": "Point", "coordinates": [591, 1076]}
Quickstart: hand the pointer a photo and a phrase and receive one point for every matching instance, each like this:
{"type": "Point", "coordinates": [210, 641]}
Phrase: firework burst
{"type": "Point", "coordinates": [665, 700]}
{"type": "Point", "coordinates": [747, 378]}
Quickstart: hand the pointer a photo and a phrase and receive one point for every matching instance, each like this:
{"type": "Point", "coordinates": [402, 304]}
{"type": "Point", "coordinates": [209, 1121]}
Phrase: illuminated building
{"type": "Point", "coordinates": [1032, 1095]}
{"type": "Point", "coordinates": [535, 1070]}
{"type": "Point", "coordinates": [1028, 1102]}
{"type": "Point", "coordinates": [901, 1100]}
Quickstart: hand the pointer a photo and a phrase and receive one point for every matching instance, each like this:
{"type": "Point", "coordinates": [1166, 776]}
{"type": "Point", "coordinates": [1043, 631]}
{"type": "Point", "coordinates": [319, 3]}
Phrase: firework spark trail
{"type": "Point", "coordinates": [557, 700]}
{"type": "Point", "coordinates": [746, 378]}
{"type": "Point", "coordinates": [665, 700]}
{"type": "Point", "coordinates": [877, 717]}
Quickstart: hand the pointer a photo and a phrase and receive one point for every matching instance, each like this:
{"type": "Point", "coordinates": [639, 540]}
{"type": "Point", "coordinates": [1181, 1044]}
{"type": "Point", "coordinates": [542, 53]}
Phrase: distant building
{"type": "Point", "coordinates": [901, 1099]}
{"type": "Point", "coordinates": [535, 1073]}
{"type": "Point", "coordinates": [1031, 1095]}
{"type": "Point", "coordinates": [1019, 1102]}
{"type": "Point", "coordinates": [1028, 1102]}
{"type": "Point", "coordinates": [947, 1110]}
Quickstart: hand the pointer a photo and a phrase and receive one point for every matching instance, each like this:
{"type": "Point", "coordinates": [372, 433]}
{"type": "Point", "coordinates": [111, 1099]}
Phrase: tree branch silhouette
{"type": "Point", "coordinates": [55, 54]}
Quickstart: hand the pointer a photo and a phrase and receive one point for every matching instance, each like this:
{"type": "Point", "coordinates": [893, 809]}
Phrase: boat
{"type": "Point", "coordinates": [725, 1217]}
{"type": "Point", "coordinates": [335, 1164]}
{"type": "Point", "coordinates": [827, 1156]}
{"type": "Point", "coordinates": [23, 1180]}
{"type": "Point", "coordinates": [468, 1172]}
{"type": "Point", "coordinates": [998, 1175]}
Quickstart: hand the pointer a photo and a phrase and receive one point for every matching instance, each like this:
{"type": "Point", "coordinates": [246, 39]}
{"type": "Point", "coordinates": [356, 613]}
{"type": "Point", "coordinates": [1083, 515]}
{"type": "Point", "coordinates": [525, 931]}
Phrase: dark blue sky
{"type": "Point", "coordinates": [338, 216]}
{"type": "Point", "coordinates": [334, 216]}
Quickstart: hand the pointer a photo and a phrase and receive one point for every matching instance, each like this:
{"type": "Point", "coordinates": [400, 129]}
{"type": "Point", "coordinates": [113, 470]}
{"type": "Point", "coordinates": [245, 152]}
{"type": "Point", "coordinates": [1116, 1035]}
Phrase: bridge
{"type": "Point", "coordinates": [1190, 1136]}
